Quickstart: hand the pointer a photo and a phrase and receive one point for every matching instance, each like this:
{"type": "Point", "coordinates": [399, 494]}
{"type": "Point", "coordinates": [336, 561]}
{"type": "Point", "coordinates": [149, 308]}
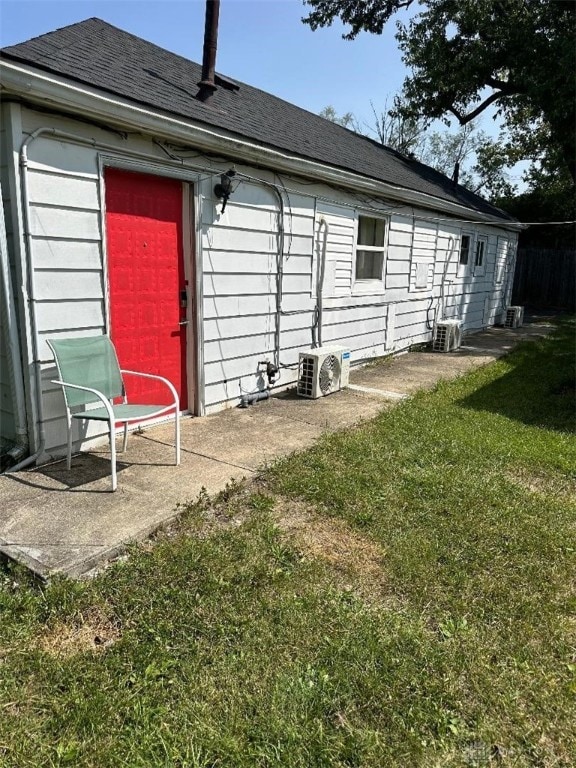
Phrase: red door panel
{"type": "Point", "coordinates": [146, 277]}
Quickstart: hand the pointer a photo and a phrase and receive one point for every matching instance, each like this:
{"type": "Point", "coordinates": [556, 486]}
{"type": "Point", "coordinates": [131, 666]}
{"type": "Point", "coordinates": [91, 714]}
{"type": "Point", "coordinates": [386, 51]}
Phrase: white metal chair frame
{"type": "Point", "coordinates": [115, 416]}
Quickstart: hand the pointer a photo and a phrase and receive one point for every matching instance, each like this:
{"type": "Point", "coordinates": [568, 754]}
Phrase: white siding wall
{"type": "Point", "coordinates": [66, 259]}
{"type": "Point", "coordinates": [413, 246]}
{"type": "Point", "coordinates": [357, 322]}
{"type": "Point", "coordinates": [237, 259]}
{"type": "Point", "coordinates": [66, 251]}
{"type": "Point", "coordinates": [339, 235]}
{"type": "Point", "coordinates": [473, 292]}
{"type": "Point", "coordinates": [239, 255]}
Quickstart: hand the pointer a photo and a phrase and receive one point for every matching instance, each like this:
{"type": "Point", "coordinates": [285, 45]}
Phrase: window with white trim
{"type": "Point", "coordinates": [370, 247]}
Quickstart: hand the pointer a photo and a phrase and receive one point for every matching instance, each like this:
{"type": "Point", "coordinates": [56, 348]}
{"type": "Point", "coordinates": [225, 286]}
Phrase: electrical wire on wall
{"type": "Point", "coordinates": [291, 228]}
{"type": "Point", "coordinates": [383, 208]}
{"type": "Point", "coordinates": [279, 266]}
{"type": "Point", "coordinates": [322, 242]}
{"type": "Point", "coordinates": [285, 238]}
{"type": "Point", "coordinates": [183, 154]}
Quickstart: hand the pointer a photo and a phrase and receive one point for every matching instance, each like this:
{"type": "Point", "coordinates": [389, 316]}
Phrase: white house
{"type": "Point", "coordinates": [114, 220]}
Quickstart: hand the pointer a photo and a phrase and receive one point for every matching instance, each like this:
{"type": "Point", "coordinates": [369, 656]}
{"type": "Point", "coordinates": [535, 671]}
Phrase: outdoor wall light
{"type": "Point", "coordinates": [223, 189]}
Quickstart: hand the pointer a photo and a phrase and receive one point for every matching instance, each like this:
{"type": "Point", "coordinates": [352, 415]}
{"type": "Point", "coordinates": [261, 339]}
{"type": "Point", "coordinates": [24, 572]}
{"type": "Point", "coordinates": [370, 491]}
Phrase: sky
{"type": "Point", "coordinates": [261, 42]}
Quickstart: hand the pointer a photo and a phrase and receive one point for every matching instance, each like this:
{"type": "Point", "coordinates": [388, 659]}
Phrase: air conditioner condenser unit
{"type": "Point", "coordinates": [447, 336]}
{"type": "Point", "coordinates": [514, 317]}
{"type": "Point", "coordinates": [323, 371]}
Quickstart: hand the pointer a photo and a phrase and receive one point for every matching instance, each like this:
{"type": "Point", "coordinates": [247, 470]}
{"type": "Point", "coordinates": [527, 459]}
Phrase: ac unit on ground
{"type": "Point", "coordinates": [447, 336]}
{"type": "Point", "coordinates": [514, 317]}
{"type": "Point", "coordinates": [323, 371]}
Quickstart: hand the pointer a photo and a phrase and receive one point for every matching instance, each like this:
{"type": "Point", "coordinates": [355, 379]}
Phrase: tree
{"type": "Point", "coordinates": [390, 128]}
{"type": "Point", "coordinates": [550, 196]}
{"type": "Point", "coordinates": [405, 133]}
{"type": "Point", "coordinates": [517, 56]}
{"type": "Point", "coordinates": [347, 121]}
{"type": "Point", "coordinates": [468, 156]}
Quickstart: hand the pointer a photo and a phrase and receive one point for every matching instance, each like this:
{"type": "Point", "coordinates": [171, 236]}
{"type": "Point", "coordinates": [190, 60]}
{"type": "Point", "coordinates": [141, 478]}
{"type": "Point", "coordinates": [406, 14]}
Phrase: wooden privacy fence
{"type": "Point", "coordinates": [545, 278]}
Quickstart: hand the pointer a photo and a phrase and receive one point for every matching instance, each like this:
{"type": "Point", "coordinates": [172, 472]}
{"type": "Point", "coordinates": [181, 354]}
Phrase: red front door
{"type": "Point", "coordinates": [147, 284]}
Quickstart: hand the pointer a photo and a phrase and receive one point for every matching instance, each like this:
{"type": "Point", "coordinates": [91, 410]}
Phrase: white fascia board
{"type": "Point", "coordinates": [91, 102]}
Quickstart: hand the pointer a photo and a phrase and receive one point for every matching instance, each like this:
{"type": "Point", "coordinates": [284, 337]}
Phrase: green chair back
{"type": "Point", "coordinates": [89, 362]}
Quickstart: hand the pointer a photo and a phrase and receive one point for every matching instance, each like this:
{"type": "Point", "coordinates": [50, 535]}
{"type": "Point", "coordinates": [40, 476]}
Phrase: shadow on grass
{"type": "Point", "coordinates": [540, 388]}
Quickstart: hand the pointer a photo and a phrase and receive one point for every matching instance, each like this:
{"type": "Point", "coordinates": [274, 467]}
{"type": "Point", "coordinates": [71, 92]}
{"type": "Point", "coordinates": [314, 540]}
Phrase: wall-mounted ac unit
{"type": "Point", "coordinates": [447, 335]}
{"type": "Point", "coordinates": [323, 371]}
{"type": "Point", "coordinates": [514, 317]}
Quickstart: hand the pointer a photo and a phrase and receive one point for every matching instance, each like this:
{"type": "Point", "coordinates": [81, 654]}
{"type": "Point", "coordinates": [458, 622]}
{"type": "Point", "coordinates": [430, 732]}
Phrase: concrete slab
{"type": "Point", "coordinates": [58, 521]}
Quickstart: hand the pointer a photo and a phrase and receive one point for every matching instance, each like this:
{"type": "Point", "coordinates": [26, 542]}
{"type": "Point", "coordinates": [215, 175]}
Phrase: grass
{"type": "Point", "coordinates": [400, 595]}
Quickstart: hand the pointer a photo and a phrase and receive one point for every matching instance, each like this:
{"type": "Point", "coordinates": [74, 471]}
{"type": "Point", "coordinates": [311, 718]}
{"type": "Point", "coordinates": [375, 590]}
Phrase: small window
{"type": "Point", "coordinates": [480, 252]}
{"type": "Point", "coordinates": [464, 249]}
{"type": "Point", "coordinates": [370, 248]}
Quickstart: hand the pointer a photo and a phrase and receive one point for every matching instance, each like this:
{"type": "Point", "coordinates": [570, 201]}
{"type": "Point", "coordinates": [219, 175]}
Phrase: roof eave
{"type": "Point", "coordinates": [42, 87]}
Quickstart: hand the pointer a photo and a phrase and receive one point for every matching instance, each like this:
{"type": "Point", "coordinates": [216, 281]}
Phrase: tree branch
{"type": "Point", "coordinates": [505, 86]}
{"type": "Point", "coordinates": [463, 119]}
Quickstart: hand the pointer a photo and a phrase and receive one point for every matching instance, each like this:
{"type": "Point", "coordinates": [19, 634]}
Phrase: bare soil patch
{"type": "Point", "coordinates": [558, 486]}
{"type": "Point", "coordinates": [92, 631]}
{"type": "Point", "coordinates": [358, 561]}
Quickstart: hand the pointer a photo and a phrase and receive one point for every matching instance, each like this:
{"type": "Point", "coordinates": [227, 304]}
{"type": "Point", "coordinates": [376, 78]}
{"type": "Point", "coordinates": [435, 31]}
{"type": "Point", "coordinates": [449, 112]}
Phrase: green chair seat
{"type": "Point", "coordinates": [122, 412]}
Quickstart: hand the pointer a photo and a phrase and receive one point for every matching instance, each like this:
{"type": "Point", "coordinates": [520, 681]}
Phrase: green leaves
{"type": "Point", "coordinates": [465, 56]}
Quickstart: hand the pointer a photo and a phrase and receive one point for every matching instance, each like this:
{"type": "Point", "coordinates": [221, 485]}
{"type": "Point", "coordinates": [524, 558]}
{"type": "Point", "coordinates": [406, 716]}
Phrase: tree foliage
{"type": "Point", "coordinates": [464, 56]}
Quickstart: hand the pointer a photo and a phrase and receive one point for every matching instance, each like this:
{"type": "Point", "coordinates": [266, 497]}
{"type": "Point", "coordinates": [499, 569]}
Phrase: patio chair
{"type": "Point", "coordinates": [89, 375]}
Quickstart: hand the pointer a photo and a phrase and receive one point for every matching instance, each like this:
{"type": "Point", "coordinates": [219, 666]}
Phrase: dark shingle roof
{"type": "Point", "coordinates": [96, 53]}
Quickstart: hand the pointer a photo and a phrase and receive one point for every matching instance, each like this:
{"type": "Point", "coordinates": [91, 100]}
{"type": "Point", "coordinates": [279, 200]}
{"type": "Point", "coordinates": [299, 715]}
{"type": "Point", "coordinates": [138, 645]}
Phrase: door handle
{"type": "Point", "coordinates": [183, 322]}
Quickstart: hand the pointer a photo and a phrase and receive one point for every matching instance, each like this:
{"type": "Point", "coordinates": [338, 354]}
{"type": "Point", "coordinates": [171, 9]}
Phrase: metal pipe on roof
{"type": "Point", "coordinates": [208, 85]}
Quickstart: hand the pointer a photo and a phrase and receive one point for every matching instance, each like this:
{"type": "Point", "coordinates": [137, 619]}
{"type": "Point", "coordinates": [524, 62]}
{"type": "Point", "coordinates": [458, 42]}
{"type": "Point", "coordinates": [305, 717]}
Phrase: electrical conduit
{"type": "Point", "coordinates": [321, 268]}
{"type": "Point", "coordinates": [14, 362]}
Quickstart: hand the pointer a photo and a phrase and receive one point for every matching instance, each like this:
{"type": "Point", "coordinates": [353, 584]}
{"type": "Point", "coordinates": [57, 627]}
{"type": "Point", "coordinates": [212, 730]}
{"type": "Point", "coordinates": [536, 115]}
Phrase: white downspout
{"type": "Point", "coordinates": [28, 297]}
{"type": "Point", "coordinates": [15, 363]}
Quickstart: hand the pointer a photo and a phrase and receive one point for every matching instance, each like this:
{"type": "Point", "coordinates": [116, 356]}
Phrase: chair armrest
{"type": "Point", "coordinates": [169, 384]}
{"type": "Point", "coordinates": [103, 399]}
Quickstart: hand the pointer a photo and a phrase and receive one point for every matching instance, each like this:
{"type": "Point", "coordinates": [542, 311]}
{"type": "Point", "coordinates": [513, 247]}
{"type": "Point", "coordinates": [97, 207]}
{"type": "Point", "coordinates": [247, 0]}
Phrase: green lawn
{"type": "Point", "coordinates": [402, 595]}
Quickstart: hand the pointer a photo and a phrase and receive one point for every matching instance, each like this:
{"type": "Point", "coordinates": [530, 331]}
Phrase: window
{"type": "Point", "coordinates": [501, 259]}
{"type": "Point", "coordinates": [464, 249]}
{"type": "Point", "coordinates": [370, 248]}
{"type": "Point", "coordinates": [480, 252]}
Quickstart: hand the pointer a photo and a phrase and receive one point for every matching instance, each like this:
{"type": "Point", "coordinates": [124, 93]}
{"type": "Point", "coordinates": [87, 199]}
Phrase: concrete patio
{"type": "Point", "coordinates": [56, 521]}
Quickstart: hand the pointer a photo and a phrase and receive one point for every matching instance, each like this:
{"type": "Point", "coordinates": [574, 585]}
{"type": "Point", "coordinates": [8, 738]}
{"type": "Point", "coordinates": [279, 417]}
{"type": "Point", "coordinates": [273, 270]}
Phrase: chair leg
{"type": "Point", "coordinates": [69, 449]}
{"type": "Point", "coordinates": [113, 455]}
{"type": "Point", "coordinates": [177, 435]}
{"type": "Point", "coordinates": [125, 440]}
